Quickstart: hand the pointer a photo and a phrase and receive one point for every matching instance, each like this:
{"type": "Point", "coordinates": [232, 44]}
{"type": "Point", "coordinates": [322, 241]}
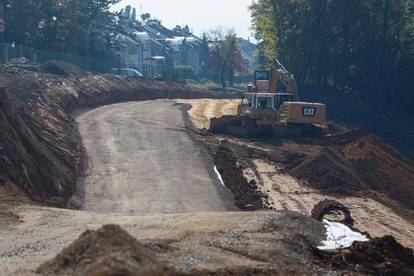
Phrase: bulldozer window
{"type": "Point", "coordinates": [280, 99]}
{"type": "Point", "coordinates": [245, 101]}
{"type": "Point", "coordinates": [262, 75]}
{"type": "Point", "coordinates": [265, 103]}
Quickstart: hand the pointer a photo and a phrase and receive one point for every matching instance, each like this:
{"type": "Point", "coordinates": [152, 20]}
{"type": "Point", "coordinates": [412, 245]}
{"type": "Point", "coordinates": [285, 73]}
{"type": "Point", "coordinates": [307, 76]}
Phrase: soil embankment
{"type": "Point", "coordinates": [357, 163]}
{"type": "Point", "coordinates": [40, 149]}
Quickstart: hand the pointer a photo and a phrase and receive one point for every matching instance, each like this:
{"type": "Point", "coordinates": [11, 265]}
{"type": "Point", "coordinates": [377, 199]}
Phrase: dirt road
{"type": "Point", "coordinates": [143, 160]}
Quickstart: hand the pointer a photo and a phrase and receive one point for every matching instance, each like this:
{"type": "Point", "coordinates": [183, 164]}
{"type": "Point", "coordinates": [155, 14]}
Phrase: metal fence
{"type": "Point", "coordinates": [31, 58]}
{"type": "Point", "coordinates": [21, 55]}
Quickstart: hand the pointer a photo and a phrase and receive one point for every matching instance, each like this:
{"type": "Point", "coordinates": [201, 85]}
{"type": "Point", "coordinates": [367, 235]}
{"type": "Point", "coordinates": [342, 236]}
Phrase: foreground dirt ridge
{"type": "Point", "coordinates": [41, 148]}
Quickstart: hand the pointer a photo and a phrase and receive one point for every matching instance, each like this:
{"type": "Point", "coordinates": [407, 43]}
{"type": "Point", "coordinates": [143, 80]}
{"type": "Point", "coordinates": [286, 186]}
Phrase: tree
{"type": "Point", "coordinates": [226, 57]}
{"type": "Point", "coordinates": [363, 45]}
{"type": "Point", "coordinates": [233, 55]}
{"type": "Point", "coordinates": [65, 26]}
{"type": "Point", "coordinates": [204, 56]}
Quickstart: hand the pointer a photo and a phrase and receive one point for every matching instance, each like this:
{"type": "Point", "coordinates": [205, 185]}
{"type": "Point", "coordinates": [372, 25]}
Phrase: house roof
{"type": "Point", "coordinates": [154, 32]}
{"type": "Point", "coordinates": [159, 28]}
{"type": "Point", "coordinates": [126, 40]}
{"type": "Point", "coordinates": [178, 41]}
{"type": "Point", "coordinates": [141, 36]}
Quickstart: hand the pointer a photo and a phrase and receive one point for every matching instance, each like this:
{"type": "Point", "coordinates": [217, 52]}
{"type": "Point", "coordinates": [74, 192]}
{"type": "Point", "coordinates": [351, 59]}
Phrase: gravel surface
{"type": "Point", "coordinates": [143, 160]}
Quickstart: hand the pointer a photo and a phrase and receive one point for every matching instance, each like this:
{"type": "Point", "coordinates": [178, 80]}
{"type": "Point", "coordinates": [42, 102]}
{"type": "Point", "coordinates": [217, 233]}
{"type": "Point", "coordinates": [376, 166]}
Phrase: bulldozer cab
{"type": "Point", "coordinates": [281, 98]}
{"type": "Point", "coordinates": [262, 81]}
{"type": "Point", "coordinates": [261, 75]}
{"type": "Point", "coordinates": [264, 101]}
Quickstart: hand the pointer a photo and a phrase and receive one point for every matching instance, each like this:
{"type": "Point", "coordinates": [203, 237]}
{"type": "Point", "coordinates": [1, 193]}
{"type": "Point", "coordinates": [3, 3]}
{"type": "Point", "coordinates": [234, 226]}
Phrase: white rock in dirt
{"type": "Point", "coordinates": [340, 236]}
{"type": "Point", "coordinates": [219, 176]}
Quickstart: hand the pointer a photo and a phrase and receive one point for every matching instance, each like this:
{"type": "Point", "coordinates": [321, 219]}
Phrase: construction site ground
{"type": "Point", "coordinates": [122, 151]}
{"type": "Point", "coordinates": [199, 240]}
{"type": "Point", "coordinates": [286, 192]}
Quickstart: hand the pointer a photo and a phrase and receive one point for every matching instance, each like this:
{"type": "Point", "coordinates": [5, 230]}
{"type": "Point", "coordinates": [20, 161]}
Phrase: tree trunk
{"type": "Point", "coordinates": [231, 77]}
{"type": "Point", "coordinates": [223, 77]}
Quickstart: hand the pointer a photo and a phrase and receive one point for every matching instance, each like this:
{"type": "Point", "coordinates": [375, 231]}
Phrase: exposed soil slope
{"type": "Point", "coordinates": [26, 159]}
{"type": "Point", "coordinates": [350, 162]}
{"type": "Point", "coordinates": [40, 146]}
{"type": "Point", "coordinates": [328, 169]}
{"type": "Point", "coordinates": [359, 164]}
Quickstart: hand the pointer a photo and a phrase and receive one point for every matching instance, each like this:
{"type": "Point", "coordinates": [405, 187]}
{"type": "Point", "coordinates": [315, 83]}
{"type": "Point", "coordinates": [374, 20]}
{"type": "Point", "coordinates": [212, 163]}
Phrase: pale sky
{"type": "Point", "coordinates": [199, 15]}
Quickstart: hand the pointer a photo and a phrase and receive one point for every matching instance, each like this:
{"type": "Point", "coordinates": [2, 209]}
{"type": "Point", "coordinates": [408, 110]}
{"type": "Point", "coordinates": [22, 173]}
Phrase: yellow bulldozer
{"type": "Point", "coordinates": [271, 106]}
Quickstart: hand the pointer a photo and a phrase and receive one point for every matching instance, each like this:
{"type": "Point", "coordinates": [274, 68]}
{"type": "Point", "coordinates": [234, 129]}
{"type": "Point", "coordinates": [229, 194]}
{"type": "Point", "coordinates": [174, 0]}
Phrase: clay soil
{"type": "Point", "coordinates": [356, 163]}
{"type": "Point", "coordinates": [356, 168]}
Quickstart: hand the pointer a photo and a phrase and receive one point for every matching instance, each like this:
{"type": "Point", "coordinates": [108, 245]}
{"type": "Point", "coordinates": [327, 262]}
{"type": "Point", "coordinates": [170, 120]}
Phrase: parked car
{"type": "Point", "coordinates": [128, 72]}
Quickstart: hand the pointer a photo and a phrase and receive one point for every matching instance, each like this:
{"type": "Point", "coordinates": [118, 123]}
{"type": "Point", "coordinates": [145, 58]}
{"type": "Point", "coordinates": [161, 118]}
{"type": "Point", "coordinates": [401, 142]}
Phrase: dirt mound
{"type": "Point", "coordinates": [328, 170]}
{"type": "Point", "coordinates": [347, 136]}
{"type": "Point", "coordinates": [382, 168]}
{"type": "Point", "coordinates": [247, 195]}
{"type": "Point", "coordinates": [380, 256]}
{"type": "Point", "coordinates": [107, 251]}
{"type": "Point", "coordinates": [355, 163]}
{"type": "Point", "coordinates": [60, 68]}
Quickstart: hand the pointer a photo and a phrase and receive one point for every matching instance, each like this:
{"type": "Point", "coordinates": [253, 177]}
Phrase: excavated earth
{"type": "Point", "coordinates": [345, 162]}
{"type": "Point", "coordinates": [42, 161]}
{"type": "Point", "coordinates": [351, 166]}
